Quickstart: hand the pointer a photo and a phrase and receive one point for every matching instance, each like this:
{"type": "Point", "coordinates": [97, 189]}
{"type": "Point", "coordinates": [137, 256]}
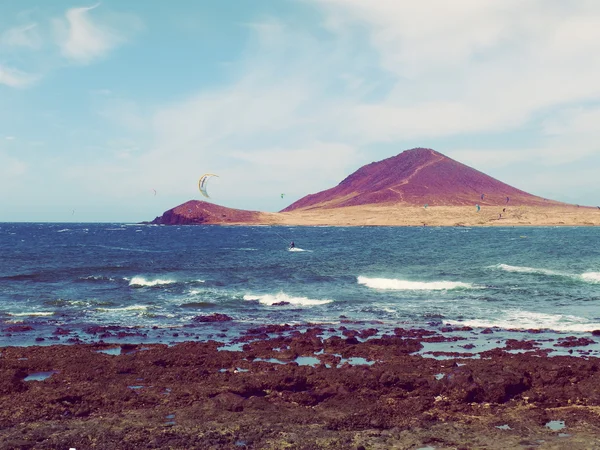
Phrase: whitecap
{"type": "Point", "coordinates": [33, 313]}
{"type": "Point", "coordinates": [125, 308]}
{"type": "Point", "coordinates": [143, 282]}
{"type": "Point", "coordinates": [591, 277]}
{"type": "Point", "coordinates": [524, 269]}
{"type": "Point", "coordinates": [525, 320]}
{"type": "Point", "coordinates": [269, 299]}
{"type": "Point", "coordinates": [405, 285]}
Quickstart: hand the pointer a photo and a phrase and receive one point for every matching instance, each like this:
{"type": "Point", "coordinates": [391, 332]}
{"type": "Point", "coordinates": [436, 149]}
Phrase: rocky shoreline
{"type": "Point", "coordinates": [280, 387]}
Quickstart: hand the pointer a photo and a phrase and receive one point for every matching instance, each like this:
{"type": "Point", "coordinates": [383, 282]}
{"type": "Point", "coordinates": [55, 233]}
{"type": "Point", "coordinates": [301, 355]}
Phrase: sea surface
{"type": "Point", "coordinates": [58, 281]}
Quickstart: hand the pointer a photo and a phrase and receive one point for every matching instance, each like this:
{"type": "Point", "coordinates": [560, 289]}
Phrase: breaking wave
{"type": "Point", "coordinates": [405, 285]}
{"type": "Point", "coordinates": [533, 270]}
{"type": "Point", "coordinates": [269, 299]}
{"type": "Point", "coordinates": [525, 320]}
{"type": "Point", "coordinates": [589, 277]}
{"type": "Point", "coordinates": [143, 282]}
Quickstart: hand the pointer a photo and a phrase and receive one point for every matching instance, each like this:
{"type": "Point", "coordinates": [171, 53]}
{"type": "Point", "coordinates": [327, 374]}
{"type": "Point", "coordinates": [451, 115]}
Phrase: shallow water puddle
{"type": "Point", "coordinates": [439, 376]}
{"type": "Point", "coordinates": [503, 427]}
{"type": "Point", "coordinates": [356, 361]}
{"type": "Point", "coordinates": [110, 351]}
{"type": "Point", "coordinates": [170, 420]}
{"type": "Point", "coordinates": [556, 425]}
{"type": "Point", "coordinates": [271, 360]}
{"type": "Point", "coordinates": [232, 347]}
{"type": "Point", "coordinates": [39, 376]}
{"type": "Point", "coordinates": [307, 361]}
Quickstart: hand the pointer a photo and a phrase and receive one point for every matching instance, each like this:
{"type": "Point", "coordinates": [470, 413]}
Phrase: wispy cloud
{"type": "Point", "coordinates": [26, 36]}
{"type": "Point", "coordinates": [453, 64]}
{"type": "Point", "coordinates": [16, 78]}
{"type": "Point", "coordinates": [79, 37]}
{"type": "Point", "coordinates": [82, 39]}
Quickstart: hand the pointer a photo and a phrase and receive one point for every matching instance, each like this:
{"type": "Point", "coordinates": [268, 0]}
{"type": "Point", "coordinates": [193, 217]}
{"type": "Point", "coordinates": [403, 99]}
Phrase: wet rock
{"type": "Point", "coordinates": [18, 328]}
{"type": "Point", "coordinates": [572, 341]}
{"type": "Point", "coordinates": [212, 318]}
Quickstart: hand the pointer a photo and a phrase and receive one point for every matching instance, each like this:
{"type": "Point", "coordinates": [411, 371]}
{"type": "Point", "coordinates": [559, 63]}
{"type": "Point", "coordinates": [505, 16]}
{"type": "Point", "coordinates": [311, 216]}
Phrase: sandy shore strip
{"type": "Point", "coordinates": [500, 216]}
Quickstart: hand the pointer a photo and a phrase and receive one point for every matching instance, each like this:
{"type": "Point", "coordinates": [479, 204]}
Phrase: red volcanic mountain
{"type": "Point", "coordinates": [417, 177]}
{"type": "Point", "coordinates": [195, 212]}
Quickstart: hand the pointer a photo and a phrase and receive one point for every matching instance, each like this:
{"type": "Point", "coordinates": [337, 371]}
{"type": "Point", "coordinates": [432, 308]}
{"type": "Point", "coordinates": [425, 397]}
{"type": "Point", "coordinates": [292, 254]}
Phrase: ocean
{"type": "Point", "coordinates": [60, 281]}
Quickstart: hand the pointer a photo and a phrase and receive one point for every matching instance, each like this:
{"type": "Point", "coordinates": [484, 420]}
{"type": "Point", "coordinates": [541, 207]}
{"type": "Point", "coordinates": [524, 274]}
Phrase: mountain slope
{"type": "Point", "coordinates": [196, 212]}
{"type": "Point", "coordinates": [417, 177]}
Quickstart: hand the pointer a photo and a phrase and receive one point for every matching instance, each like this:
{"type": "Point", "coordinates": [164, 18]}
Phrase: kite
{"type": "Point", "coordinates": [478, 207]}
{"type": "Point", "coordinates": [203, 181]}
{"type": "Point", "coordinates": [482, 195]}
{"type": "Point", "coordinates": [282, 195]}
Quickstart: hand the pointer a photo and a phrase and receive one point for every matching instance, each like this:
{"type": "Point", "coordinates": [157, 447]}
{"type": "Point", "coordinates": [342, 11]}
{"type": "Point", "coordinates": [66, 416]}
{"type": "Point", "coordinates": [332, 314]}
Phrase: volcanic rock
{"type": "Point", "coordinates": [195, 212]}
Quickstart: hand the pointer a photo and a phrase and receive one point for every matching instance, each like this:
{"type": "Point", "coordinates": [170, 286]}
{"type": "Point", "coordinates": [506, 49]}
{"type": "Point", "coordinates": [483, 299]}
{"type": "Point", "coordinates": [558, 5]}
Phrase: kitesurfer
{"type": "Point", "coordinates": [292, 245]}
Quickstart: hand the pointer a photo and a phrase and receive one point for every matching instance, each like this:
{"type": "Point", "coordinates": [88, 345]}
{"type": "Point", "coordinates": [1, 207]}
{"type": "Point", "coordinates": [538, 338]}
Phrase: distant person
{"type": "Point", "coordinates": [292, 245]}
{"type": "Point", "coordinates": [503, 209]}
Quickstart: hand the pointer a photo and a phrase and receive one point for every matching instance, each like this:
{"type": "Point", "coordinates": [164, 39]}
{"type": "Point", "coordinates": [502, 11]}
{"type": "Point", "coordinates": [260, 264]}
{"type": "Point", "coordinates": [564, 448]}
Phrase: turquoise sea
{"type": "Point", "coordinates": [58, 281]}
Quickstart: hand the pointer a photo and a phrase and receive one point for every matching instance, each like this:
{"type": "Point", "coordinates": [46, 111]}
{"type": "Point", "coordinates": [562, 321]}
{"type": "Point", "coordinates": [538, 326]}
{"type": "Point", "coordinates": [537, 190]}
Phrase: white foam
{"type": "Point", "coordinates": [296, 249]}
{"type": "Point", "coordinates": [39, 313]}
{"type": "Point", "coordinates": [142, 282]}
{"type": "Point", "coordinates": [125, 308]}
{"type": "Point", "coordinates": [63, 230]}
{"type": "Point", "coordinates": [269, 299]}
{"type": "Point", "coordinates": [405, 285]}
{"type": "Point", "coordinates": [591, 277]}
{"type": "Point", "coordinates": [525, 320]}
{"type": "Point", "coordinates": [519, 269]}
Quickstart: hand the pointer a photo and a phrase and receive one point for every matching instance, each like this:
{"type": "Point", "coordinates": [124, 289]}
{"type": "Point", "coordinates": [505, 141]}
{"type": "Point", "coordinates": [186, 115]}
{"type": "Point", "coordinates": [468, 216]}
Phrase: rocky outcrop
{"type": "Point", "coordinates": [195, 212]}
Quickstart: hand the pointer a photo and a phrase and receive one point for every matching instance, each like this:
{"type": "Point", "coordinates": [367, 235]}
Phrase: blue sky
{"type": "Point", "coordinates": [102, 104]}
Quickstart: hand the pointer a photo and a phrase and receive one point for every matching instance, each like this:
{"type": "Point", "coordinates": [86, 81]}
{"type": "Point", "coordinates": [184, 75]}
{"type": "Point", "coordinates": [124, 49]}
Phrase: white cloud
{"type": "Point", "coordinates": [26, 36]}
{"type": "Point", "coordinates": [16, 78]}
{"type": "Point", "coordinates": [83, 40]}
{"type": "Point", "coordinates": [304, 110]}
{"type": "Point", "coordinates": [467, 65]}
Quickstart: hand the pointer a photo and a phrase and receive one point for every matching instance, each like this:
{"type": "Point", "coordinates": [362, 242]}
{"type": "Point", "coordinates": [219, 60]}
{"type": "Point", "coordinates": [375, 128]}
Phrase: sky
{"type": "Point", "coordinates": [111, 111]}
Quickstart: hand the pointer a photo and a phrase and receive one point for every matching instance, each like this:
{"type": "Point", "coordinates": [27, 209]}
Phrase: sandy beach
{"type": "Point", "coordinates": [382, 215]}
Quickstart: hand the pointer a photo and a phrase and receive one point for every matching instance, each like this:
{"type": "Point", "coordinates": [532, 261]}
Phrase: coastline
{"type": "Point", "coordinates": [282, 387]}
{"type": "Point", "coordinates": [525, 216]}
{"type": "Point", "coordinates": [394, 215]}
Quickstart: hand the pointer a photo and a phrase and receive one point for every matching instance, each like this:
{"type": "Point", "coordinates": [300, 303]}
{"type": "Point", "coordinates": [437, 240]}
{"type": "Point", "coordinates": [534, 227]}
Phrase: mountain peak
{"type": "Point", "coordinates": [416, 177]}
